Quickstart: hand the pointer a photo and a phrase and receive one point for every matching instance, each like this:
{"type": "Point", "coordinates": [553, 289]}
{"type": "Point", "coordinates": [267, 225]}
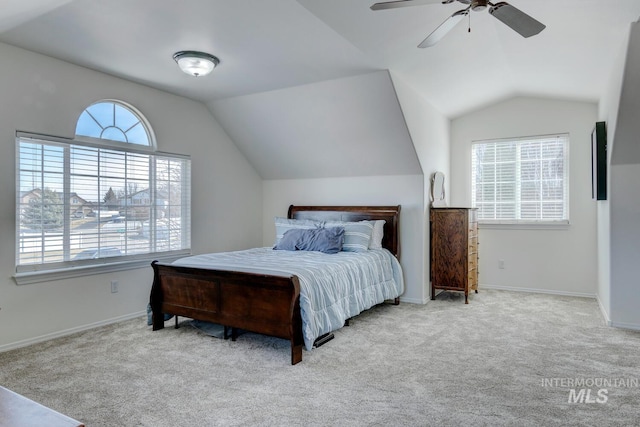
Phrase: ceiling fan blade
{"type": "Point", "coordinates": [519, 21]}
{"type": "Point", "coordinates": [444, 28]}
{"type": "Point", "coordinates": [402, 3]}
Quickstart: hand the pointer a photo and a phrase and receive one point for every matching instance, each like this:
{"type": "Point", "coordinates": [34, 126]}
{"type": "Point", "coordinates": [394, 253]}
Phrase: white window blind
{"type": "Point", "coordinates": [79, 204]}
{"type": "Point", "coordinates": [523, 180]}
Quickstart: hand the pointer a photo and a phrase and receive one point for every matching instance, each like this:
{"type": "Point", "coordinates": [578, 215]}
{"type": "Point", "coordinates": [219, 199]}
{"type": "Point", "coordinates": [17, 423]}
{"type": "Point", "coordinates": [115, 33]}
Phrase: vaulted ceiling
{"type": "Point", "coordinates": [310, 76]}
{"type": "Point", "coordinates": [274, 44]}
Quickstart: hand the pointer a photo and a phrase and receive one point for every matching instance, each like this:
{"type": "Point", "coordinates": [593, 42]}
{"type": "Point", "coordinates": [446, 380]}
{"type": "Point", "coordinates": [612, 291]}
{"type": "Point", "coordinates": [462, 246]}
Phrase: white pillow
{"type": "Point", "coordinates": [377, 235]}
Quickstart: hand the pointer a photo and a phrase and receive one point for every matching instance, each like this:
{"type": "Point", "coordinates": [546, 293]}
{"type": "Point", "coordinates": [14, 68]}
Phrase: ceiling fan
{"type": "Point", "coordinates": [513, 17]}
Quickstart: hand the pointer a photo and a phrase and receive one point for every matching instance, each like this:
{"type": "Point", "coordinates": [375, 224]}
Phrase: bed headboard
{"type": "Point", "coordinates": [391, 214]}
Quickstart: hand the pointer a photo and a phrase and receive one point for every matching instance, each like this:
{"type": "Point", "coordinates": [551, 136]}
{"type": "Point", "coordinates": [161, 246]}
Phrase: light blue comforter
{"type": "Point", "coordinates": [333, 287]}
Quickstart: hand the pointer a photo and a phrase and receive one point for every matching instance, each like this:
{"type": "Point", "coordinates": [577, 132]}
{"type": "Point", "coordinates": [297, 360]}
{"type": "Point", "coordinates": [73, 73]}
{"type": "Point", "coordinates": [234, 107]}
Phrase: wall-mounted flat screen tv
{"type": "Point", "coordinates": [599, 162]}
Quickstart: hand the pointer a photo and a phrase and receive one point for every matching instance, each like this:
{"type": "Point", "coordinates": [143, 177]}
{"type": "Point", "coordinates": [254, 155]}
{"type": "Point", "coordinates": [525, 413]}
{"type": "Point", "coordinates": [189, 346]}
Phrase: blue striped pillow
{"type": "Point", "coordinates": [356, 234]}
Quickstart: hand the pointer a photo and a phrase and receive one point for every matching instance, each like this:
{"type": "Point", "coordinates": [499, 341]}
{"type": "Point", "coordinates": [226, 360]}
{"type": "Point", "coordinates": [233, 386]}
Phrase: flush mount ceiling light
{"type": "Point", "coordinates": [195, 63]}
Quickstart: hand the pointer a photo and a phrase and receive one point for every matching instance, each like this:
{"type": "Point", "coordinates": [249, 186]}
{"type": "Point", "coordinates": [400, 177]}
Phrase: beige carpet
{"type": "Point", "coordinates": [505, 359]}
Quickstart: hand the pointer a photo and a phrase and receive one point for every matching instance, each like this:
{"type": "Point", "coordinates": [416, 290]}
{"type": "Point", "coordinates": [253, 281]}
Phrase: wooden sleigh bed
{"type": "Point", "coordinates": [262, 303]}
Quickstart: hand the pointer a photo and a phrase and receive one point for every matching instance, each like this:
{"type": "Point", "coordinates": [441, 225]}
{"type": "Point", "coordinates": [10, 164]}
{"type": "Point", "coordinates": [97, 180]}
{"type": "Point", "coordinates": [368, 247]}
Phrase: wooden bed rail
{"type": "Point", "coordinates": [259, 303]}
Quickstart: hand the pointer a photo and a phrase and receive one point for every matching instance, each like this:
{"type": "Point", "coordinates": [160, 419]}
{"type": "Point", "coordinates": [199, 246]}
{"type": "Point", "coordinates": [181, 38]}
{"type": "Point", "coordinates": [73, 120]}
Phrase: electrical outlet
{"type": "Point", "coordinates": [114, 286]}
{"type": "Point", "coordinates": [501, 264]}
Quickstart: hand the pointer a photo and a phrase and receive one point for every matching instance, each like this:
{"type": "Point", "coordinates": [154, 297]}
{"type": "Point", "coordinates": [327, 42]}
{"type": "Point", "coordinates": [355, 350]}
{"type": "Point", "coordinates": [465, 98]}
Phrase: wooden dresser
{"type": "Point", "coordinates": [454, 250]}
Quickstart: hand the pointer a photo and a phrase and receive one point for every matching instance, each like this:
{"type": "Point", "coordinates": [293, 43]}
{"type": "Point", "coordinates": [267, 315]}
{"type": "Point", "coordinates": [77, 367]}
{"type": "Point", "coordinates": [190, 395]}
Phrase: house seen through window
{"type": "Point", "coordinates": [102, 197]}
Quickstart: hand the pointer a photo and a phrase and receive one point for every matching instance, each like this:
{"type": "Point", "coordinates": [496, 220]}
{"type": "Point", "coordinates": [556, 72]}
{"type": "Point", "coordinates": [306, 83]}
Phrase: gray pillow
{"type": "Point", "coordinates": [285, 224]}
{"type": "Point", "coordinates": [328, 240]}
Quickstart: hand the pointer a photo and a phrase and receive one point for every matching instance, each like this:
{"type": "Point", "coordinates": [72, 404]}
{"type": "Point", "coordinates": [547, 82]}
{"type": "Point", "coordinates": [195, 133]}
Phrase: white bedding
{"type": "Point", "coordinates": [333, 287]}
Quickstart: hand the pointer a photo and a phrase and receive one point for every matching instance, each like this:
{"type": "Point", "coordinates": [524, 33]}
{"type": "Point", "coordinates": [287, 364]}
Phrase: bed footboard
{"type": "Point", "coordinates": [259, 303]}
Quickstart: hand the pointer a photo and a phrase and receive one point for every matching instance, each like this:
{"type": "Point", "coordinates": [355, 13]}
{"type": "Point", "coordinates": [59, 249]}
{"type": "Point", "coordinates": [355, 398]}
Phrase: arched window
{"type": "Point", "coordinates": [105, 200]}
{"type": "Point", "coordinates": [114, 121]}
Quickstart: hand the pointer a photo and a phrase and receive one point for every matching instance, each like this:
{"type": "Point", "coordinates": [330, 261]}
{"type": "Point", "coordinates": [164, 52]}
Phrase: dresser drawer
{"type": "Point", "coordinates": [473, 279]}
{"type": "Point", "coordinates": [472, 263]}
{"type": "Point", "coordinates": [472, 242]}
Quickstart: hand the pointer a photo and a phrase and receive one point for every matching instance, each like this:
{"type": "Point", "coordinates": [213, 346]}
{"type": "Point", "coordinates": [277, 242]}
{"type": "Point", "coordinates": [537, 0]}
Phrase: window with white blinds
{"type": "Point", "coordinates": [80, 204]}
{"type": "Point", "coordinates": [521, 180]}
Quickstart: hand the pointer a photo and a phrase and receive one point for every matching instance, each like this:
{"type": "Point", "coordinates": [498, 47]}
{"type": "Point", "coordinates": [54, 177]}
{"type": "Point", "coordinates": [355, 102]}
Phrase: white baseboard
{"type": "Point", "coordinates": [614, 324]}
{"type": "Point", "coordinates": [538, 291]}
{"type": "Point", "coordinates": [414, 301]}
{"type": "Point", "coordinates": [630, 326]}
{"type": "Point", "coordinates": [605, 315]}
{"type": "Point", "coordinates": [42, 338]}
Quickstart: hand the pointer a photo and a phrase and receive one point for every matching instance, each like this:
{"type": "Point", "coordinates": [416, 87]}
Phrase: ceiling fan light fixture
{"type": "Point", "coordinates": [195, 63]}
{"type": "Point", "coordinates": [479, 5]}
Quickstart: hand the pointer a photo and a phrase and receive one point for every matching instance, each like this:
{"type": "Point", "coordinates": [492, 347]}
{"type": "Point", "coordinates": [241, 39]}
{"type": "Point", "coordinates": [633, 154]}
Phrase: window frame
{"type": "Point", "coordinates": [526, 223]}
{"type": "Point", "coordinates": [45, 271]}
{"type": "Point", "coordinates": [152, 147]}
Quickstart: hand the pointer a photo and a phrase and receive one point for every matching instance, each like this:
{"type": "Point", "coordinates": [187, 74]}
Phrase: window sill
{"type": "Point", "coordinates": [551, 225]}
{"type": "Point", "coordinates": [26, 278]}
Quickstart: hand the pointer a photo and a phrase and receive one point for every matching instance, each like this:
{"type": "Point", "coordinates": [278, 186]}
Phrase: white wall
{"type": "Point", "coordinates": [351, 126]}
{"type": "Point", "coordinates": [608, 110]}
{"type": "Point", "coordinates": [624, 203]}
{"type": "Point", "coordinates": [625, 246]}
{"type": "Point", "coordinates": [562, 261]}
{"type": "Point", "coordinates": [43, 95]}
{"type": "Point", "coordinates": [404, 190]}
{"type": "Point", "coordinates": [430, 133]}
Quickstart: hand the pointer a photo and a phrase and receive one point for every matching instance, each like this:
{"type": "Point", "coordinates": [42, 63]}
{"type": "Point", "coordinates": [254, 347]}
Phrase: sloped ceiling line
{"type": "Point", "coordinates": [338, 128]}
